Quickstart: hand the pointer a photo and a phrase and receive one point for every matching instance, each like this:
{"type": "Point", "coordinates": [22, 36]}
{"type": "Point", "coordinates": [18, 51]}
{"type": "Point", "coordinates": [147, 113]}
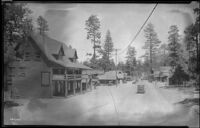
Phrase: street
{"type": "Point", "coordinates": [109, 105]}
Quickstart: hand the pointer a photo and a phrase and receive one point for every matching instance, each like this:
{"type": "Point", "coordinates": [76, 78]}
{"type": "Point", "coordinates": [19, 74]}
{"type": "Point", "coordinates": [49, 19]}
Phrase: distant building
{"type": "Point", "coordinates": [111, 77]}
{"type": "Point", "coordinates": [48, 68]}
{"type": "Point", "coordinates": [92, 76]}
{"type": "Point", "coordinates": [163, 74]}
{"type": "Point", "coordinates": [93, 73]}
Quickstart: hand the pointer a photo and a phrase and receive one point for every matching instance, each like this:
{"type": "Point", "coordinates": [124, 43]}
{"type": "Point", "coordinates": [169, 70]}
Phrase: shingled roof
{"type": "Point", "coordinates": [50, 47]}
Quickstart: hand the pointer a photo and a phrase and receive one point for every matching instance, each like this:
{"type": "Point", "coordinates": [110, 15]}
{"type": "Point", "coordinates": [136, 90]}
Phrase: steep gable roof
{"type": "Point", "coordinates": [50, 48]}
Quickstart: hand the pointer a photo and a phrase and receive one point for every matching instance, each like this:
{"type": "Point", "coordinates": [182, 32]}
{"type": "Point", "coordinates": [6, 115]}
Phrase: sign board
{"type": "Point", "coordinates": [58, 77]}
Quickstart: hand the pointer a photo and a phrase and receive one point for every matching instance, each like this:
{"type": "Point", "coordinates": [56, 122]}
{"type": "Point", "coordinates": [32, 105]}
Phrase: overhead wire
{"type": "Point", "coordinates": [140, 29]}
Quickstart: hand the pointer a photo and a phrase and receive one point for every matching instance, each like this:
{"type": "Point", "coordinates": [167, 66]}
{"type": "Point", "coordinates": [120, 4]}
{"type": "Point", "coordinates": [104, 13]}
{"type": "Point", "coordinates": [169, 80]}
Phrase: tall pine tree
{"type": "Point", "coordinates": [106, 52]}
{"type": "Point", "coordinates": [131, 60]}
{"type": "Point", "coordinates": [152, 43]}
{"type": "Point", "coordinates": [93, 33]}
{"type": "Point", "coordinates": [42, 25]}
{"type": "Point", "coordinates": [173, 46]}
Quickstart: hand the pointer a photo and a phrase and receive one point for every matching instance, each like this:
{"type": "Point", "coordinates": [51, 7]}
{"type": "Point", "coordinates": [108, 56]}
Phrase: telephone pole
{"type": "Point", "coordinates": [116, 50]}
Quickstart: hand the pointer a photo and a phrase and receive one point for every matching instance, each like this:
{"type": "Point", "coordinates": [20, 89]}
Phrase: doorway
{"type": "Point", "coordinates": [70, 88]}
{"type": "Point", "coordinates": [59, 88]}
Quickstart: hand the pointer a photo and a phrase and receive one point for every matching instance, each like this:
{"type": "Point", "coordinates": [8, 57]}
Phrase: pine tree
{"type": "Point", "coordinates": [173, 46]}
{"type": "Point", "coordinates": [152, 43]}
{"type": "Point", "coordinates": [93, 33]}
{"type": "Point", "coordinates": [106, 52]}
{"type": "Point", "coordinates": [42, 25]}
{"type": "Point", "coordinates": [108, 46]}
{"type": "Point", "coordinates": [131, 59]}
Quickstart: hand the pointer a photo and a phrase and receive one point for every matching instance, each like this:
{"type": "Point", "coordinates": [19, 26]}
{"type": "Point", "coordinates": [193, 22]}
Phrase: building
{"type": "Point", "coordinates": [163, 74]}
{"type": "Point", "coordinates": [111, 77]}
{"type": "Point", "coordinates": [47, 69]}
{"type": "Point", "coordinates": [92, 75]}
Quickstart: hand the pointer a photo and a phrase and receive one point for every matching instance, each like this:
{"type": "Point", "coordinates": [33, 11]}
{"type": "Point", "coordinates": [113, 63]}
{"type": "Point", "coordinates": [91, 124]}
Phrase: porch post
{"type": "Point", "coordinates": [86, 84]}
{"type": "Point", "coordinates": [66, 88]}
{"type": "Point", "coordinates": [66, 83]}
{"type": "Point", "coordinates": [51, 82]}
{"type": "Point", "coordinates": [74, 84]}
{"type": "Point", "coordinates": [81, 87]}
{"type": "Point", "coordinates": [167, 81]}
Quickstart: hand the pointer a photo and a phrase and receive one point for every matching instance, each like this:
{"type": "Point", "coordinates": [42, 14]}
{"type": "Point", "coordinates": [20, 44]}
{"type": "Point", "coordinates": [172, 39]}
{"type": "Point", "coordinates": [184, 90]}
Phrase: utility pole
{"type": "Point", "coordinates": [116, 50]}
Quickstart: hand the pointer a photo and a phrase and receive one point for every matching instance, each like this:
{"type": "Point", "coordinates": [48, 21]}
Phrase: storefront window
{"type": "Point", "coordinates": [69, 71]}
{"type": "Point", "coordinates": [58, 71]}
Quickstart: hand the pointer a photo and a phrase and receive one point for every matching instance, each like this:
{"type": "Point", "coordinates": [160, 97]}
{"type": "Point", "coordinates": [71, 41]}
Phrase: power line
{"type": "Point", "coordinates": [140, 28]}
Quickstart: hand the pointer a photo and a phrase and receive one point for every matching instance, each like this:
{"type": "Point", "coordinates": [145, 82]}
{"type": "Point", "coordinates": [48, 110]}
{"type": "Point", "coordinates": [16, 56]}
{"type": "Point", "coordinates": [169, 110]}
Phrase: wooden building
{"type": "Point", "coordinates": [113, 77]}
{"type": "Point", "coordinates": [48, 68]}
{"type": "Point", "coordinates": [163, 74]}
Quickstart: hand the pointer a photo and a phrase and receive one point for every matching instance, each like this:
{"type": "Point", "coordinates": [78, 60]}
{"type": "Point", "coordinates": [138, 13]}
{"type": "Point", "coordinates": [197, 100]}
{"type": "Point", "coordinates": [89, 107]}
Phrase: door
{"type": "Point", "coordinates": [59, 88]}
{"type": "Point", "coordinates": [70, 88]}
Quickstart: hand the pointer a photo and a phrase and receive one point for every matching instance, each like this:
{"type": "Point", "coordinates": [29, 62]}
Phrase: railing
{"type": "Point", "coordinates": [67, 76]}
{"type": "Point", "coordinates": [73, 76]}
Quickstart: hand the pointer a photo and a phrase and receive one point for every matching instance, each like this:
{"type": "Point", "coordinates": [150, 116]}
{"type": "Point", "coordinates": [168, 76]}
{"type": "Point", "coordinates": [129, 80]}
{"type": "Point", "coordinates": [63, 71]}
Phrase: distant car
{"type": "Point", "coordinates": [140, 89]}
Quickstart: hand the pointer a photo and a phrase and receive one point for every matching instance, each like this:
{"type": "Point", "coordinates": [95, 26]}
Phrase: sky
{"type": "Point", "coordinates": [67, 23]}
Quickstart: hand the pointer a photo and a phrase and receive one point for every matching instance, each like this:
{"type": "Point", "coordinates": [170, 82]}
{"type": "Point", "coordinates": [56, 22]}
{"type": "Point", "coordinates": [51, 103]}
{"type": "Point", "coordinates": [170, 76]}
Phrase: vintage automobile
{"type": "Point", "coordinates": [140, 89]}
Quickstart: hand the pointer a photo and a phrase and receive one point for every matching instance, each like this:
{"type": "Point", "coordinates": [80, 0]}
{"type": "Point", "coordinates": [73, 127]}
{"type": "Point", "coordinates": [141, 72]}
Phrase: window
{"type": "Point", "coordinates": [12, 71]}
{"type": "Point", "coordinates": [58, 71]}
{"type": "Point", "coordinates": [71, 59]}
{"type": "Point", "coordinates": [37, 56]}
{"type": "Point", "coordinates": [22, 74]}
{"type": "Point", "coordinates": [22, 71]}
{"type": "Point", "coordinates": [76, 71]}
{"type": "Point", "coordinates": [27, 56]}
{"type": "Point", "coordinates": [70, 71]}
{"type": "Point", "coordinates": [45, 79]}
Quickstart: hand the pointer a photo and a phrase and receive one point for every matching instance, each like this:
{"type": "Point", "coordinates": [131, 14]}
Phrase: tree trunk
{"type": "Point", "coordinates": [94, 55]}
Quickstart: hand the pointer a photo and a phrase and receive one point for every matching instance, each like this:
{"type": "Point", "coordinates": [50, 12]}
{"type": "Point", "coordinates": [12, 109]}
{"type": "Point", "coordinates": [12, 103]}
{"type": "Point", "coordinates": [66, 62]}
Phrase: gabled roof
{"type": "Point", "coordinates": [69, 52]}
{"type": "Point", "coordinates": [50, 48]}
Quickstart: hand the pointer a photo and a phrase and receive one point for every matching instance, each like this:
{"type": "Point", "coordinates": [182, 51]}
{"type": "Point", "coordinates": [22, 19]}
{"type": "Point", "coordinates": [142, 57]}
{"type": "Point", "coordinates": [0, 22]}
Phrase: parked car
{"type": "Point", "coordinates": [140, 89]}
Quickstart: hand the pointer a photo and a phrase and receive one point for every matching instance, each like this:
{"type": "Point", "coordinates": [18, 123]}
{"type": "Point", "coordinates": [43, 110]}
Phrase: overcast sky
{"type": "Point", "coordinates": [67, 22]}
